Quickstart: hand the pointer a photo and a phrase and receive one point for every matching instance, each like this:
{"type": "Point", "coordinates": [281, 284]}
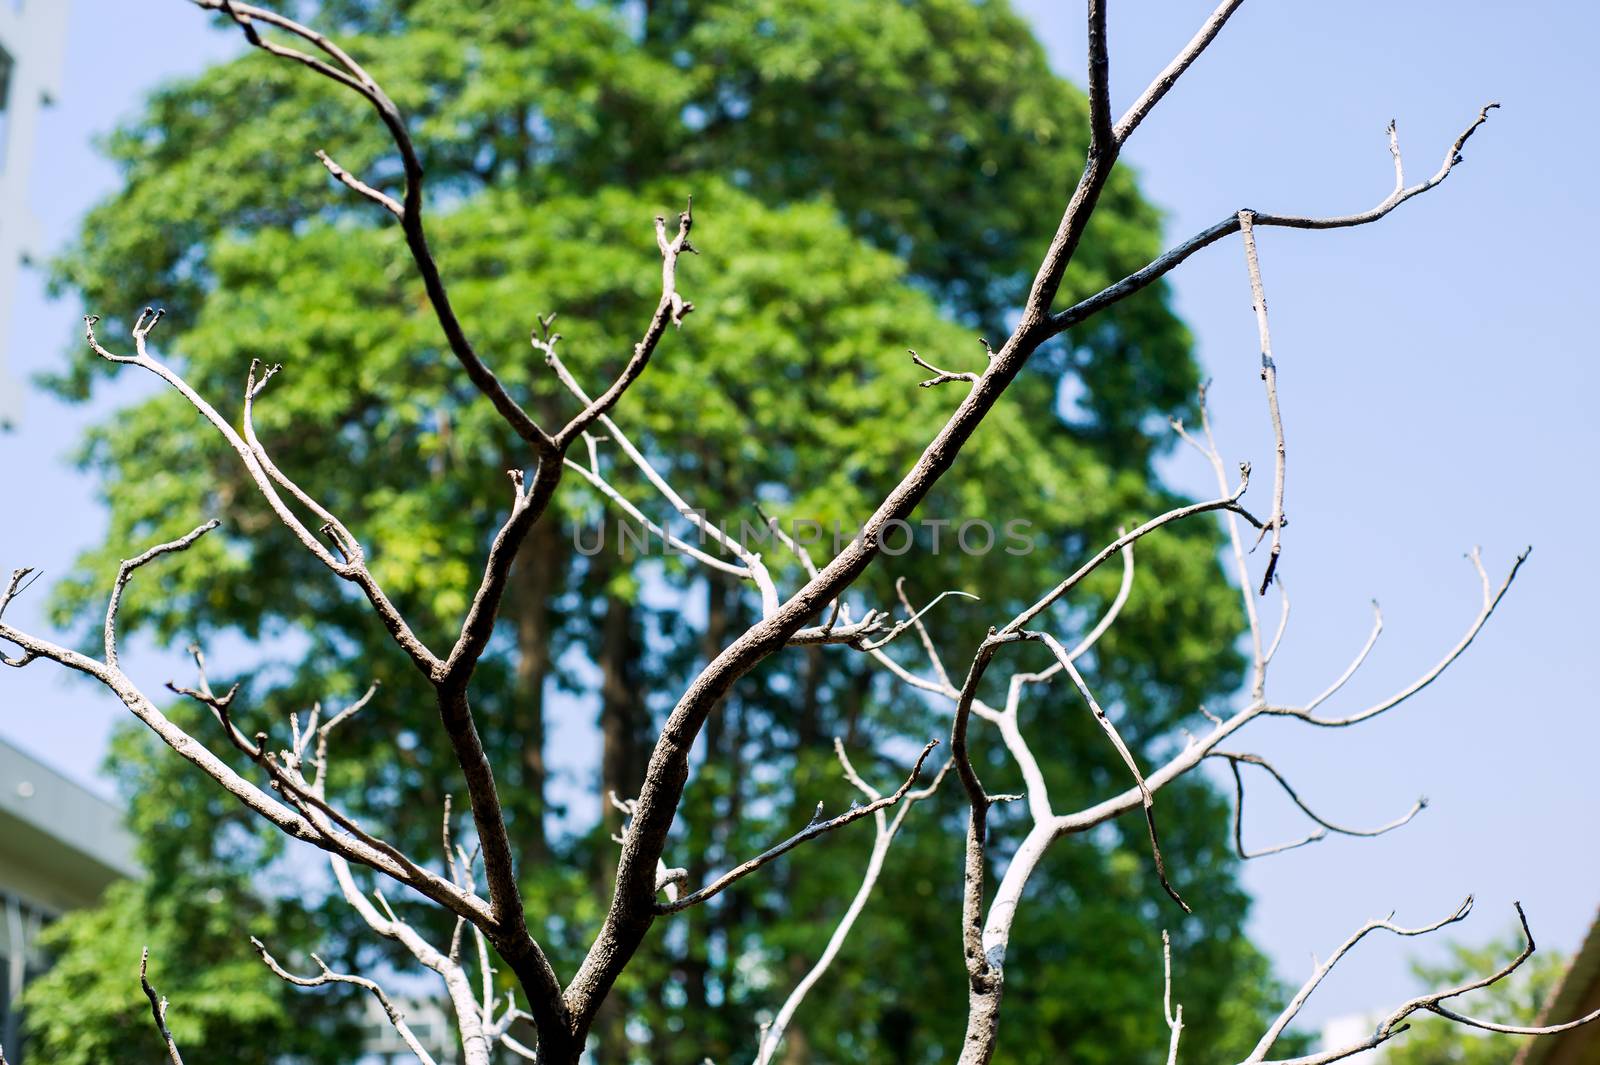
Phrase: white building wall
{"type": "Point", "coordinates": [33, 35]}
{"type": "Point", "coordinates": [1350, 1029]}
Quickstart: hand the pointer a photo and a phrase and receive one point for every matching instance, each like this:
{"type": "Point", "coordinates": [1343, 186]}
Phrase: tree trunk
{"type": "Point", "coordinates": [622, 712]}
{"type": "Point", "coordinates": [562, 1048]}
{"type": "Point", "coordinates": [536, 579]}
{"type": "Point", "coordinates": [624, 730]}
{"type": "Point", "coordinates": [983, 1018]}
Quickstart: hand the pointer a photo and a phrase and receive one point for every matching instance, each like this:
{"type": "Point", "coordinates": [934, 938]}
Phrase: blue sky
{"type": "Point", "coordinates": [1437, 384]}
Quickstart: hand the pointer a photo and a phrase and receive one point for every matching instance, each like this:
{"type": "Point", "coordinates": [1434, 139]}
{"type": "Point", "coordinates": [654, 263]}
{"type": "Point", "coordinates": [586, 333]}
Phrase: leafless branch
{"type": "Point", "coordinates": [1324, 826]}
{"type": "Point", "coordinates": [1174, 70]}
{"type": "Point", "coordinates": [1283, 624]}
{"type": "Point", "coordinates": [669, 311]}
{"type": "Point", "coordinates": [1491, 600]}
{"type": "Point", "coordinates": [1159, 268]}
{"type": "Point", "coordinates": [1394, 1023]}
{"type": "Point", "coordinates": [125, 574]}
{"type": "Point", "coordinates": [470, 1018]}
{"type": "Point", "coordinates": [158, 1009]}
{"type": "Point", "coordinates": [289, 820]}
{"type": "Point", "coordinates": [772, 1034]}
{"type": "Point", "coordinates": [1147, 796]}
{"type": "Point", "coordinates": [353, 569]}
{"type": "Point", "coordinates": [1174, 1017]}
{"type": "Point", "coordinates": [343, 540]}
{"type": "Point", "coordinates": [340, 67]}
{"type": "Point", "coordinates": [20, 582]}
{"type": "Point", "coordinates": [1213, 455]}
{"type": "Point", "coordinates": [1269, 377]}
{"type": "Point", "coordinates": [326, 729]}
{"type": "Point", "coordinates": [1321, 971]}
{"type": "Point", "coordinates": [675, 543]}
{"type": "Point", "coordinates": [1228, 502]}
{"type": "Point", "coordinates": [923, 635]}
{"type": "Point", "coordinates": [753, 568]}
{"type": "Point", "coordinates": [940, 376]}
{"type": "Point", "coordinates": [817, 826]}
{"type": "Point", "coordinates": [1100, 134]}
{"type": "Point", "coordinates": [328, 976]}
{"type": "Point", "coordinates": [350, 181]}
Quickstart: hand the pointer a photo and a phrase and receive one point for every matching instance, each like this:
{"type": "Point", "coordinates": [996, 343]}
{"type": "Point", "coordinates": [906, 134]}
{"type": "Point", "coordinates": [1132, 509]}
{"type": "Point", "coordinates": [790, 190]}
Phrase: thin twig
{"type": "Point", "coordinates": [1324, 826]}
{"type": "Point", "coordinates": [1269, 378]}
{"type": "Point", "coordinates": [1170, 260]}
{"type": "Point", "coordinates": [773, 1033]}
{"type": "Point", "coordinates": [940, 376]}
{"type": "Point", "coordinates": [1491, 600]}
{"type": "Point", "coordinates": [158, 1009]}
{"type": "Point", "coordinates": [125, 574]}
{"type": "Point", "coordinates": [1174, 1017]}
{"type": "Point", "coordinates": [397, 1019]}
{"type": "Point", "coordinates": [817, 826]}
{"type": "Point", "coordinates": [1128, 760]}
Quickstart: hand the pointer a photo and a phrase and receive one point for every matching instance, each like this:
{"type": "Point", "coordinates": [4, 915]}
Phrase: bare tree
{"type": "Point", "coordinates": [290, 787]}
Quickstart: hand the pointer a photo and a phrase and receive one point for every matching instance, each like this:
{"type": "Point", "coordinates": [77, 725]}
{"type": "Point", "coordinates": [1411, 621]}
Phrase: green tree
{"type": "Point", "coordinates": [88, 1007]}
{"type": "Point", "coordinates": [865, 180]}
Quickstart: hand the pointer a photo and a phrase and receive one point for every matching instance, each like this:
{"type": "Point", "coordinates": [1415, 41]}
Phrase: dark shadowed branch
{"type": "Point", "coordinates": [158, 1009]}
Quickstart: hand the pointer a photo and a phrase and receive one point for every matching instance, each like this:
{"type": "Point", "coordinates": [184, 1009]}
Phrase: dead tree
{"type": "Point", "coordinates": [290, 786]}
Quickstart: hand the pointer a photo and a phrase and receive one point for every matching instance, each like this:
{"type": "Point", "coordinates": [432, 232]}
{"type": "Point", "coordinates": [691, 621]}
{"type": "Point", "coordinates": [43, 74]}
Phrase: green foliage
{"type": "Point", "coordinates": [195, 915]}
{"type": "Point", "coordinates": [1515, 1000]}
{"type": "Point", "coordinates": [866, 179]}
{"type": "Point", "coordinates": [88, 1008]}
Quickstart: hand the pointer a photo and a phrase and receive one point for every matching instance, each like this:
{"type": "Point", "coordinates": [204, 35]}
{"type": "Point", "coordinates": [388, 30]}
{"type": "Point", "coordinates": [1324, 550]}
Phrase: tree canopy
{"type": "Point", "coordinates": [865, 180]}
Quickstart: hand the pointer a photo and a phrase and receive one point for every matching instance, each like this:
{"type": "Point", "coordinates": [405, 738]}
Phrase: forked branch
{"type": "Point", "coordinates": [158, 1009]}
{"type": "Point", "coordinates": [817, 826]}
{"type": "Point", "coordinates": [1394, 1023]}
{"type": "Point", "coordinates": [1324, 826]}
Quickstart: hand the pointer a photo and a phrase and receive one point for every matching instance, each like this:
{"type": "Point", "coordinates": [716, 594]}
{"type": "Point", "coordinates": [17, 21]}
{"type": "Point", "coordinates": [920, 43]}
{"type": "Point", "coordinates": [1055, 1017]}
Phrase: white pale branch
{"type": "Point", "coordinates": [749, 567]}
{"type": "Point", "coordinates": [1491, 599]}
{"type": "Point", "coordinates": [1213, 455]}
{"type": "Point", "coordinates": [327, 976]}
{"type": "Point", "coordinates": [1174, 1016]}
{"type": "Point", "coordinates": [298, 821]}
{"type": "Point", "coordinates": [1269, 378]}
{"type": "Point", "coordinates": [773, 1032]}
{"type": "Point", "coordinates": [1394, 1023]}
{"type": "Point", "coordinates": [352, 566]}
{"type": "Point", "coordinates": [817, 826]}
{"type": "Point", "coordinates": [480, 1022]}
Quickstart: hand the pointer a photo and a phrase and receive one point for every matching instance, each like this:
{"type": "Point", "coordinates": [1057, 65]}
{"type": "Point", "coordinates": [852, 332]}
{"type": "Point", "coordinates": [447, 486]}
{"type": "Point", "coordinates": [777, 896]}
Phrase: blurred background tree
{"type": "Point", "coordinates": [866, 179]}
